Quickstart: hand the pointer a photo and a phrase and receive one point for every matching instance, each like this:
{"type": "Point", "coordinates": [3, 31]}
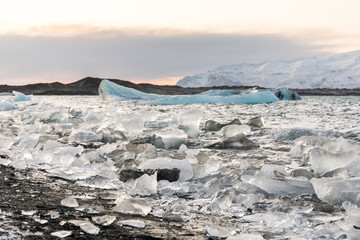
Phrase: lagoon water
{"type": "Point", "coordinates": [303, 182]}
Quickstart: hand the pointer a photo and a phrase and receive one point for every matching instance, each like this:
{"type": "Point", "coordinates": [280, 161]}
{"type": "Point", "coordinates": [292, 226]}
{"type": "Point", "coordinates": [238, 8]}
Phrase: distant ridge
{"type": "Point", "coordinates": [335, 71]}
{"type": "Point", "coordinates": [90, 86]}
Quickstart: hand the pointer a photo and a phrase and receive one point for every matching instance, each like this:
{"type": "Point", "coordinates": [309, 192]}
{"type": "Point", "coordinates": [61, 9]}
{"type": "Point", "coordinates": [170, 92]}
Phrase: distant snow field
{"type": "Point", "coordinates": [336, 71]}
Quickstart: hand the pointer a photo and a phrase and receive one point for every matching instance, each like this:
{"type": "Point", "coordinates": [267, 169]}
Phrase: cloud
{"type": "Point", "coordinates": [135, 54]}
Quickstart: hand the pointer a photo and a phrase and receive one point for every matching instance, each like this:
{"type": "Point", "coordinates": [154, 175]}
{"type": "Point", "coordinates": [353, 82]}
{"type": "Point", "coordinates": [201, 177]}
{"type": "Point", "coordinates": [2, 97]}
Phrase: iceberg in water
{"type": "Point", "coordinates": [19, 97]}
{"type": "Point", "coordinates": [110, 91]}
{"type": "Point", "coordinates": [6, 106]}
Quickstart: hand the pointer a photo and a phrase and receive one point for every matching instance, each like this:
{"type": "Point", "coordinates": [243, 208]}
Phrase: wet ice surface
{"type": "Point", "coordinates": [303, 182]}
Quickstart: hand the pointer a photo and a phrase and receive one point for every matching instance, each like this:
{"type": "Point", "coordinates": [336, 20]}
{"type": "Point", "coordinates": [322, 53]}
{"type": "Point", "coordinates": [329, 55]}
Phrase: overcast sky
{"type": "Point", "coordinates": [161, 41]}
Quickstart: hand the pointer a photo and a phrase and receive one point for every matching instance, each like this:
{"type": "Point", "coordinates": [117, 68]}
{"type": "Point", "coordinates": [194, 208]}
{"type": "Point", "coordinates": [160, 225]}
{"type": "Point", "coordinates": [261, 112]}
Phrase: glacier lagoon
{"type": "Point", "coordinates": [302, 182]}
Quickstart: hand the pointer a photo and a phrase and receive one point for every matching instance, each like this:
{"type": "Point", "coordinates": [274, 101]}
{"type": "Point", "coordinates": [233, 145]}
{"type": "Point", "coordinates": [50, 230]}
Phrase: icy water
{"type": "Point", "coordinates": [302, 182]}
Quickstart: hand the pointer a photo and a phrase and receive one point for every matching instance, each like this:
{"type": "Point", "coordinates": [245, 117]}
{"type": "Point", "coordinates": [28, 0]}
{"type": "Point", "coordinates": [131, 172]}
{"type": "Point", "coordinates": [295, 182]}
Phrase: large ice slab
{"type": "Point", "coordinates": [337, 190]}
{"type": "Point", "coordinates": [6, 106]}
{"type": "Point", "coordinates": [110, 91]}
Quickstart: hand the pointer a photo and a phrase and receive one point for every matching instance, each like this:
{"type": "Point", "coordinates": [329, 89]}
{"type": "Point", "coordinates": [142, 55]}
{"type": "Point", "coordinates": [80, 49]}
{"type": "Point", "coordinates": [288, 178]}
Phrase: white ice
{"type": "Point", "coordinates": [7, 106]}
{"type": "Point", "coordinates": [18, 96]}
{"type": "Point", "coordinates": [190, 122]}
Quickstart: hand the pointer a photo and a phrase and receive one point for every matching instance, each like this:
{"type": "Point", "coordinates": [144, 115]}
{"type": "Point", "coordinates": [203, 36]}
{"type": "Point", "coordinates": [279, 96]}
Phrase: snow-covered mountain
{"type": "Point", "coordinates": [336, 71]}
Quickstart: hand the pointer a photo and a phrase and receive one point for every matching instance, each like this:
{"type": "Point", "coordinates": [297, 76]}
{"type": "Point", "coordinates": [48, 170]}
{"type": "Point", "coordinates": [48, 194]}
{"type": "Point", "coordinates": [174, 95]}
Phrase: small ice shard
{"type": "Point", "coordinates": [90, 228]}
{"type": "Point", "coordinates": [216, 231]}
{"type": "Point", "coordinates": [234, 129]}
{"type": "Point", "coordinates": [286, 94]}
{"type": "Point", "coordinates": [18, 96]}
{"type": "Point", "coordinates": [323, 161]}
{"type": "Point", "coordinates": [133, 125]}
{"type": "Point", "coordinates": [170, 138]}
{"type": "Point", "coordinates": [61, 234]}
{"type": "Point", "coordinates": [239, 141]}
{"type": "Point", "coordinates": [91, 116]}
{"type": "Point", "coordinates": [222, 200]}
{"type": "Point", "coordinates": [133, 206]}
{"type": "Point", "coordinates": [186, 169]}
{"type": "Point", "coordinates": [210, 167]}
{"type": "Point", "coordinates": [104, 220]}
{"type": "Point", "coordinates": [293, 133]}
{"type": "Point", "coordinates": [85, 136]}
{"type": "Point", "coordinates": [133, 223]}
{"type": "Point", "coordinates": [28, 213]}
{"type": "Point", "coordinates": [337, 190]}
{"type": "Point", "coordinates": [190, 121]}
{"type": "Point", "coordinates": [246, 236]}
{"type": "Point", "coordinates": [256, 122]}
{"type": "Point", "coordinates": [213, 126]}
{"type": "Point", "coordinates": [53, 214]}
{"type": "Point", "coordinates": [145, 185]}
{"type": "Point", "coordinates": [69, 202]}
{"type": "Point", "coordinates": [97, 182]}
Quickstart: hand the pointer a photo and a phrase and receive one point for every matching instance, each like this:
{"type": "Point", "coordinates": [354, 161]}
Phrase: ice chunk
{"type": "Point", "coordinates": [69, 202]}
{"type": "Point", "coordinates": [85, 136]}
{"type": "Point", "coordinates": [267, 181]}
{"type": "Point", "coordinates": [133, 206]}
{"type": "Point", "coordinates": [337, 190]}
{"type": "Point", "coordinates": [216, 231]}
{"type": "Point", "coordinates": [90, 228]}
{"type": "Point", "coordinates": [110, 91]}
{"type": "Point", "coordinates": [91, 116]}
{"type": "Point", "coordinates": [61, 234]}
{"type": "Point", "coordinates": [234, 129]}
{"type": "Point", "coordinates": [190, 121]}
{"type": "Point", "coordinates": [133, 125]}
{"type": "Point", "coordinates": [170, 138]}
{"type": "Point", "coordinates": [246, 236]}
{"type": "Point", "coordinates": [256, 122]}
{"type": "Point", "coordinates": [145, 185]}
{"type": "Point", "coordinates": [97, 182]}
{"type": "Point", "coordinates": [286, 94]}
{"type": "Point", "coordinates": [186, 170]}
{"type": "Point", "coordinates": [222, 200]}
{"type": "Point", "coordinates": [104, 220]}
{"type": "Point", "coordinates": [133, 223]}
{"type": "Point", "coordinates": [18, 96]}
{"type": "Point", "coordinates": [323, 161]}
{"type": "Point", "coordinates": [7, 106]}
{"type": "Point", "coordinates": [239, 141]}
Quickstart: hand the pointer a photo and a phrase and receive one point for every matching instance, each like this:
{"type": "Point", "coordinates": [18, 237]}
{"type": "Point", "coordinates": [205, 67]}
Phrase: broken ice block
{"type": "Point", "coordinates": [133, 223]}
{"type": "Point", "coordinates": [170, 138]}
{"type": "Point", "coordinates": [133, 206]}
{"type": "Point", "coordinates": [234, 129]}
{"type": "Point", "coordinates": [323, 161]}
{"type": "Point", "coordinates": [104, 220]}
{"type": "Point", "coordinates": [133, 125]}
{"type": "Point", "coordinates": [216, 231]}
{"type": "Point", "coordinates": [145, 185]}
{"type": "Point", "coordinates": [69, 202]}
{"type": "Point", "coordinates": [90, 228]}
{"type": "Point", "coordinates": [190, 121]}
{"type": "Point", "coordinates": [222, 200]}
{"type": "Point", "coordinates": [337, 190]}
{"type": "Point", "coordinates": [256, 122]}
{"type": "Point", "coordinates": [61, 234]}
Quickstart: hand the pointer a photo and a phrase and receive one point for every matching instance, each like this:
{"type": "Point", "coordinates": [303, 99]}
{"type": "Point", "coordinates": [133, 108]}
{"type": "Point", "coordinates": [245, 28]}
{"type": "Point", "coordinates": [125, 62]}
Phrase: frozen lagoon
{"type": "Point", "coordinates": [270, 192]}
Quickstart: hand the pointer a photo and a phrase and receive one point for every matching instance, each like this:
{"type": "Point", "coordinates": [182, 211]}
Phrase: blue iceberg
{"type": "Point", "coordinates": [110, 91]}
{"type": "Point", "coordinates": [18, 96]}
{"type": "Point", "coordinates": [6, 106]}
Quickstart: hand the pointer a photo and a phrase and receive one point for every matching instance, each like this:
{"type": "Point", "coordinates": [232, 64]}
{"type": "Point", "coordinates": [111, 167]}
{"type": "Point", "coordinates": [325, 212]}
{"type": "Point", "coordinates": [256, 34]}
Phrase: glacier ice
{"type": "Point", "coordinates": [136, 206]}
{"type": "Point", "coordinates": [190, 121]}
{"type": "Point", "coordinates": [133, 223]}
{"type": "Point", "coordinates": [170, 138]}
{"type": "Point", "coordinates": [7, 106]}
{"type": "Point", "coordinates": [110, 91]}
{"type": "Point", "coordinates": [337, 190]}
{"type": "Point", "coordinates": [145, 185]}
{"type": "Point", "coordinates": [90, 228]}
{"type": "Point", "coordinates": [105, 220]}
{"type": "Point", "coordinates": [18, 96]}
{"type": "Point", "coordinates": [234, 129]}
{"type": "Point", "coordinates": [69, 202]}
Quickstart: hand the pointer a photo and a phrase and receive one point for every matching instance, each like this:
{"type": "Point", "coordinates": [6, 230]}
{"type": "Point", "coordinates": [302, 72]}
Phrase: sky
{"type": "Point", "coordinates": [161, 41]}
